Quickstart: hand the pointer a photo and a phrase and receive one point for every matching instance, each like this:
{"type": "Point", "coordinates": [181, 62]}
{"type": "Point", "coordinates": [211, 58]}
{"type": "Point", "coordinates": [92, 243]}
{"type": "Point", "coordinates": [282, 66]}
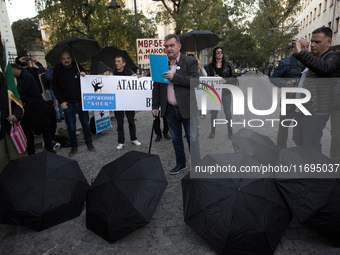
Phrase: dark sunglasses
{"type": "Point", "coordinates": [219, 52]}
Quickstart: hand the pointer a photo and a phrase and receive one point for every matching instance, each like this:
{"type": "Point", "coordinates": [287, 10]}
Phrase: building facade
{"type": "Point", "coordinates": [319, 13]}
{"type": "Point", "coordinates": [6, 31]}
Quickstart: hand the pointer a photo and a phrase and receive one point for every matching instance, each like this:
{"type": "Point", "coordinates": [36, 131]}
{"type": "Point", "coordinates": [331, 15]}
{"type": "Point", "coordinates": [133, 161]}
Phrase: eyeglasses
{"type": "Point", "coordinates": [219, 52]}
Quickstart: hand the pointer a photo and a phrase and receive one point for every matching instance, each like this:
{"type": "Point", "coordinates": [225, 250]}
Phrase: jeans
{"type": "Point", "coordinates": [309, 130]}
{"type": "Point", "coordinates": [70, 118]}
{"type": "Point", "coordinates": [226, 101]}
{"type": "Point", "coordinates": [58, 110]}
{"type": "Point", "coordinates": [130, 115]}
{"type": "Point", "coordinates": [175, 122]}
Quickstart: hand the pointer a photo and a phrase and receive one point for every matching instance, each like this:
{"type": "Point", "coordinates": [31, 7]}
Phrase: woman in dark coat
{"type": "Point", "coordinates": [222, 68]}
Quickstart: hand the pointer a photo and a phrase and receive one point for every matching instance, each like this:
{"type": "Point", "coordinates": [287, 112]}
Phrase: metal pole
{"type": "Point", "coordinates": [137, 36]}
{"type": "Point", "coordinates": [282, 39]}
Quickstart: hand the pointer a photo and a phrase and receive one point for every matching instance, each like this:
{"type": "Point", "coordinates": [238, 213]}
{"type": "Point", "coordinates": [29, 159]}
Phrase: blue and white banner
{"type": "Point", "coordinates": [130, 93]}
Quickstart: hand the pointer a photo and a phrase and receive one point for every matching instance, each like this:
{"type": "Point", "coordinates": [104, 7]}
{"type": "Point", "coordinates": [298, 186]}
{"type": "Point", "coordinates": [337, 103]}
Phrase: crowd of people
{"type": "Point", "coordinates": [175, 102]}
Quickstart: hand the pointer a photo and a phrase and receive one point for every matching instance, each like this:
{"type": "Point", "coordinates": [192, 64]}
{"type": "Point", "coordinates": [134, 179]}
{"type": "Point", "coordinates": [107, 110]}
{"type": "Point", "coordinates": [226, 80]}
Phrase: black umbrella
{"type": "Point", "coordinates": [236, 216]}
{"type": "Point", "coordinates": [313, 201]}
{"type": "Point", "coordinates": [197, 40]}
{"type": "Point", "coordinates": [257, 146]}
{"type": "Point", "coordinates": [41, 191]}
{"type": "Point", "coordinates": [81, 50]}
{"type": "Point", "coordinates": [105, 60]}
{"type": "Point", "coordinates": [125, 194]}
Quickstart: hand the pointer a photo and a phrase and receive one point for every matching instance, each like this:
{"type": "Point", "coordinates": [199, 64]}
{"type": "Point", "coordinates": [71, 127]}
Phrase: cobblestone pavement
{"type": "Point", "coordinates": [167, 233]}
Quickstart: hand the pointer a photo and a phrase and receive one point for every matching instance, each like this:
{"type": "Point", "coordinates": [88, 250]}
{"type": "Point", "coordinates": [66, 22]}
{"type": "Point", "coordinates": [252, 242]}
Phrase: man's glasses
{"type": "Point", "coordinates": [219, 52]}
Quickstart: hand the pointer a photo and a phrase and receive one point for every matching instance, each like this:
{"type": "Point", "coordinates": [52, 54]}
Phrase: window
{"type": "Point", "coordinates": [314, 16]}
{"type": "Point", "coordinates": [331, 3]}
{"type": "Point", "coordinates": [310, 15]}
{"type": "Point", "coordinates": [336, 27]}
{"type": "Point", "coordinates": [307, 20]}
{"type": "Point", "coordinates": [319, 12]}
{"type": "Point", "coordinates": [304, 22]}
{"type": "Point", "coordinates": [325, 5]}
{"type": "Point", "coordinates": [330, 24]}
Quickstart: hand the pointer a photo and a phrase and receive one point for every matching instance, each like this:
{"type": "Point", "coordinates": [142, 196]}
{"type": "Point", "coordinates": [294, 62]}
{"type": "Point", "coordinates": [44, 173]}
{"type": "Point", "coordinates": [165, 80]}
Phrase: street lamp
{"type": "Point", "coordinates": [282, 27]}
{"type": "Point", "coordinates": [114, 5]}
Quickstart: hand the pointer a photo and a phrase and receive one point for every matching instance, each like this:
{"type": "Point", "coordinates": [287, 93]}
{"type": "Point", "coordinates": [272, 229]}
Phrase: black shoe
{"type": "Point", "coordinates": [230, 132]}
{"type": "Point", "coordinates": [177, 169]}
{"type": "Point", "coordinates": [167, 136]}
{"type": "Point", "coordinates": [59, 120]}
{"type": "Point", "coordinates": [158, 138]}
{"type": "Point", "coordinates": [73, 152]}
{"type": "Point", "coordinates": [90, 147]}
{"type": "Point", "coordinates": [212, 135]}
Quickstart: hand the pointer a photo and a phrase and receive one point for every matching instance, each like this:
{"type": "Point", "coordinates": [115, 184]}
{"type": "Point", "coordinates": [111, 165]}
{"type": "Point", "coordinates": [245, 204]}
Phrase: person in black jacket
{"type": "Point", "coordinates": [66, 88]}
{"type": "Point", "coordinates": [39, 115]}
{"type": "Point", "coordinates": [6, 145]}
{"type": "Point", "coordinates": [322, 63]}
{"type": "Point", "coordinates": [120, 69]}
{"type": "Point", "coordinates": [222, 68]}
{"type": "Point", "coordinates": [287, 74]}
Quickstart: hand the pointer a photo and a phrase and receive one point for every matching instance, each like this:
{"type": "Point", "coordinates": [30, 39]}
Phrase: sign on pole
{"type": "Point", "coordinates": [149, 46]}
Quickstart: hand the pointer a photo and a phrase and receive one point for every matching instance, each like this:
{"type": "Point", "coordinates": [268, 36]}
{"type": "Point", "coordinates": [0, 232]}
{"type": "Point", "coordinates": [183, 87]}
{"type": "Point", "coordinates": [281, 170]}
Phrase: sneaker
{"type": "Point", "coordinates": [177, 170]}
{"type": "Point", "coordinates": [90, 147]}
{"type": "Point", "coordinates": [73, 152]}
{"type": "Point", "coordinates": [136, 142]}
{"type": "Point", "coordinates": [56, 146]}
{"type": "Point", "coordinates": [120, 146]}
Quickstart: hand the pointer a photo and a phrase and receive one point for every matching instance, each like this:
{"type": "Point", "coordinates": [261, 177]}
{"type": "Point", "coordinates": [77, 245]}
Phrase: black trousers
{"type": "Point", "coordinates": [29, 126]}
{"type": "Point", "coordinates": [130, 115]}
{"type": "Point", "coordinates": [157, 127]}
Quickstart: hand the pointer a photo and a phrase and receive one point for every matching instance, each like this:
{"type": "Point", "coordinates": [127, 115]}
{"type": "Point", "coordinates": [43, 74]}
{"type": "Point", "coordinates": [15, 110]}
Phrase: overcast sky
{"type": "Point", "coordinates": [20, 9]}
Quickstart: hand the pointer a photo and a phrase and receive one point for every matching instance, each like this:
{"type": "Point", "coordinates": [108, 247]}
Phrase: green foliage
{"type": "Point", "coordinates": [93, 19]}
{"type": "Point", "coordinates": [271, 14]}
{"type": "Point", "coordinates": [25, 32]}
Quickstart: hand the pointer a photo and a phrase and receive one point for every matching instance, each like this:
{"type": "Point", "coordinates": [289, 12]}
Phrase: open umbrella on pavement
{"type": "Point", "coordinates": [236, 216]}
{"type": "Point", "coordinates": [41, 190]}
{"type": "Point", "coordinates": [81, 50]}
{"type": "Point", "coordinates": [125, 194]}
{"type": "Point", "coordinates": [105, 60]}
{"type": "Point", "coordinates": [314, 201]}
{"type": "Point", "coordinates": [257, 146]}
{"type": "Point", "coordinates": [197, 40]}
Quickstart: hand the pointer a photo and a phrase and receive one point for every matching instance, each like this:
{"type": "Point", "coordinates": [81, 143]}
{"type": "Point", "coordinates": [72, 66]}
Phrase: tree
{"type": "Point", "coordinates": [214, 15]}
{"type": "Point", "coordinates": [26, 31]}
{"type": "Point", "coordinates": [93, 19]}
{"type": "Point", "coordinates": [271, 14]}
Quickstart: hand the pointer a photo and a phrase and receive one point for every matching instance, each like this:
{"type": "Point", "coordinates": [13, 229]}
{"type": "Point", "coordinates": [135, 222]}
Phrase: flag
{"type": "Point", "coordinates": [13, 93]}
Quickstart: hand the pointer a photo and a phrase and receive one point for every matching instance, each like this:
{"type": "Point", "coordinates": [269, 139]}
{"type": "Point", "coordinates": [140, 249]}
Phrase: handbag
{"type": "Point", "coordinates": [18, 137]}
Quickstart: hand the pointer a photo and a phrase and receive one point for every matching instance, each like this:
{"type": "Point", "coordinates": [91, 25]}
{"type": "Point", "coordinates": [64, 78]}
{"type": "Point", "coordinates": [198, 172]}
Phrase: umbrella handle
{"type": "Point", "coordinates": [75, 60]}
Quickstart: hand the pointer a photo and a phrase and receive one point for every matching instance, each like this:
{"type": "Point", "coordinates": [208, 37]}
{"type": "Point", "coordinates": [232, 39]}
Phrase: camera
{"type": "Point", "coordinates": [28, 58]}
{"type": "Point", "coordinates": [291, 45]}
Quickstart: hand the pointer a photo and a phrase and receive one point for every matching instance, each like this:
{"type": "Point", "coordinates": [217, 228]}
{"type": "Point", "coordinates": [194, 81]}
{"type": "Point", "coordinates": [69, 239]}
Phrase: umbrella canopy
{"type": "Point", "coordinates": [125, 194]}
{"type": "Point", "coordinates": [236, 216]}
{"type": "Point", "coordinates": [105, 60]}
{"type": "Point", "coordinates": [197, 40]}
{"type": "Point", "coordinates": [41, 191]}
{"type": "Point", "coordinates": [313, 201]}
{"type": "Point", "coordinates": [257, 146]}
{"type": "Point", "coordinates": [81, 50]}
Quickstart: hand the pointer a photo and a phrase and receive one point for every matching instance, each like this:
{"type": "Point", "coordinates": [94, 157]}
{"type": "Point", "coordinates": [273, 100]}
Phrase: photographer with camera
{"type": "Point", "coordinates": [23, 63]}
{"type": "Point", "coordinates": [288, 68]}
